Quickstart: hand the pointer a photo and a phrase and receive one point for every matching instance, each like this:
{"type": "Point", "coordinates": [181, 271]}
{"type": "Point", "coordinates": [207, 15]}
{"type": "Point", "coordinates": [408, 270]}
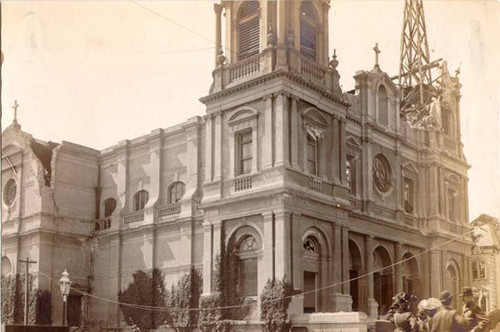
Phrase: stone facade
{"type": "Point", "coordinates": [312, 183]}
{"type": "Point", "coordinates": [485, 261]}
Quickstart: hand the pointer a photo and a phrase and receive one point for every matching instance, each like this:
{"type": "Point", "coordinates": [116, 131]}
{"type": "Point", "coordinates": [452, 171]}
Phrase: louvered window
{"type": "Point", "coordinates": [308, 30]}
{"type": "Point", "coordinates": [248, 30]}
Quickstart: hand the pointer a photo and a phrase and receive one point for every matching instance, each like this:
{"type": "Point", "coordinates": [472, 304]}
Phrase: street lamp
{"type": "Point", "coordinates": [65, 284]}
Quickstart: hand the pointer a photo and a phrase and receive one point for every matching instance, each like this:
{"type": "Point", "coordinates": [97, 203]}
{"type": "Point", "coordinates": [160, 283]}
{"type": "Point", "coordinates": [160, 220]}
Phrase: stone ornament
{"type": "Point", "coordinates": [382, 174]}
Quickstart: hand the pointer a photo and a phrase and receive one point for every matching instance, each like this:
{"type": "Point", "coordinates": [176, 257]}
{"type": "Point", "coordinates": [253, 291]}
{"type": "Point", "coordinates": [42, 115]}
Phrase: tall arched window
{"type": "Point", "coordinates": [175, 192]}
{"type": "Point", "coordinates": [109, 207]}
{"type": "Point", "coordinates": [140, 200]}
{"type": "Point", "coordinates": [248, 29]}
{"type": "Point", "coordinates": [383, 111]}
{"type": "Point", "coordinates": [308, 30]}
{"type": "Point", "coordinates": [247, 266]}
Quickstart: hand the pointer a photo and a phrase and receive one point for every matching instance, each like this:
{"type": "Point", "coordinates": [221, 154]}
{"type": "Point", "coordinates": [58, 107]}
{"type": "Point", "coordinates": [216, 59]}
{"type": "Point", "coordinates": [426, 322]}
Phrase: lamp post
{"type": "Point", "coordinates": [65, 284]}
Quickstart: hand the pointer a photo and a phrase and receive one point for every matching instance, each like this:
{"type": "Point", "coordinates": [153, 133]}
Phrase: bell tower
{"type": "Point", "coordinates": [275, 133]}
{"type": "Point", "coordinates": [266, 36]}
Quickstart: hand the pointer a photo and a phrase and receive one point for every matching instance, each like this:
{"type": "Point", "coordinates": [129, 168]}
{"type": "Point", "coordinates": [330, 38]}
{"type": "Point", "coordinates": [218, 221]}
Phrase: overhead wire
{"type": "Point", "coordinates": [154, 308]}
{"type": "Point", "coordinates": [373, 271]}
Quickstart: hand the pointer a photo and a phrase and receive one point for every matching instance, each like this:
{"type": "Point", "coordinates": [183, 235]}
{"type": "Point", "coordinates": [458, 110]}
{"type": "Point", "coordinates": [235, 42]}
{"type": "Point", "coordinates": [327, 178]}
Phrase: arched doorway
{"type": "Point", "coordinates": [451, 281]}
{"type": "Point", "coordinates": [410, 275]}
{"type": "Point", "coordinates": [383, 285]}
{"type": "Point", "coordinates": [314, 270]}
{"type": "Point", "coordinates": [355, 270]}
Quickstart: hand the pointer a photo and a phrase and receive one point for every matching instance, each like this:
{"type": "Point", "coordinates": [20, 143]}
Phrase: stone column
{"type": "Point", "coordinates": [433, 192]}
{"type": "Point", "coordinates": [193, 141]}
{"type": "Point", "coordinates": [372, 304]}
{"type": "Point", "coordinates": [281, 56]}
{"type": "Point", "coordinates": [294, 133]}
{"type": "Point", "coordinates": [398, 267]}
{"type": "Point", "coordinates": [208, 148]}
{"type": "Point", "coordinates": [122, 182]}
{"type": "Point", "coordinates": [282, 245]}
{"type": "Point", "coordinates": [207, 258]}
{"type": "Point", "coordinates": [217, 147]}
{"type": "Point", "coordinates": [267, 143]}
{"type": "Point", "coordinates": [345, 262]}
{"type": "Point", "coordinates": [211, 248]}
{"type": "Point", "coordinates": [218, 43]}
{"type": "Point", "coordinates": [342, 150]}
{"type": "Point", "coordinates": [266, 266]}
{"type": "Point", "coordinates": [155, 187]}
{"type": "Point", "coordinates": [436, 272]}
{"type": "Point", "coordinates": [297, 246]}
{"type": "Point", "coordinates": [335, 160]}
{"type": "Point", "coordinates": [281, 130]}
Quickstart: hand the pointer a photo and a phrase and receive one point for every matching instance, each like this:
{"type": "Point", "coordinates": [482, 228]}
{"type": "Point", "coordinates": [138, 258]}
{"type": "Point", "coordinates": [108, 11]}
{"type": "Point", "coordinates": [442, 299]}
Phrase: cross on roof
{"type": "Point", "coordinates": [377, 51]}
{"type": "Point", "coordinates": [14, 107]}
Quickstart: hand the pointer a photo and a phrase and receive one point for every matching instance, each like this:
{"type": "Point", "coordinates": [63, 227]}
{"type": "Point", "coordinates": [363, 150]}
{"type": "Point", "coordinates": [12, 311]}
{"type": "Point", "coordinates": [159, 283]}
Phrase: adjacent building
{"type": "Point", "coordinates": [485, 266]}
{"type": "Point", "coordinates": [310, 182]}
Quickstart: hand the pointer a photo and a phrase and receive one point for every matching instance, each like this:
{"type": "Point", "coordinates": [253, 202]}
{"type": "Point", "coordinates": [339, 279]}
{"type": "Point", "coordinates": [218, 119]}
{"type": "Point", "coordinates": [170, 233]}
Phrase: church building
{"type": "Point", "coordinates": [310, 182]}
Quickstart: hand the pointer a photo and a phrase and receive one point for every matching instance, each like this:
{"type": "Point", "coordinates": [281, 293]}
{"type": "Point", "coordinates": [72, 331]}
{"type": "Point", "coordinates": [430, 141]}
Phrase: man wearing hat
{"type": "Point", "coordinates": [473, 314]}
{"type": "Point", "coordinates": [404, 320]}
{"type": "Point", "coordinates": [447, 319]}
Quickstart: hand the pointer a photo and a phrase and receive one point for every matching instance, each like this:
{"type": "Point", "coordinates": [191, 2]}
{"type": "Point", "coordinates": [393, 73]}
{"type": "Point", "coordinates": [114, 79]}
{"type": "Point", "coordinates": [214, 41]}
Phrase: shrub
{"type": "Point", "coordinates": [13, 288]}
{"type": "Point", "coordinates": [274, 301]}
{"type": "Point", "coordinates": [182, 298]}
{"type": "Point", "coordinates": [147, 289]}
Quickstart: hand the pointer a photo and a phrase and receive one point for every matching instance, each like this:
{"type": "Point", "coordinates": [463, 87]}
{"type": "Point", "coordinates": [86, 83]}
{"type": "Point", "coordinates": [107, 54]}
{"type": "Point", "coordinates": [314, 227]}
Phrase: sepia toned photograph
{"type": "Point", "coordinates": [250, 166]}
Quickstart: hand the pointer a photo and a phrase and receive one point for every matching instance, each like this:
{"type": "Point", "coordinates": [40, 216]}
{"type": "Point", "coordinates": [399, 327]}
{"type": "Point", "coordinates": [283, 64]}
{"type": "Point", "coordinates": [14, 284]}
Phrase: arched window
{"type": "Point", "coordinates": [6, 266]}
{"type": "Point", "coordinates": [248, 29]}
{"type": "Point", "coordinates": [109, 207]}
{"type": "Point", "coordinates": [383, 111]}
{"type": "Point", "coordinates": [247, 266]}
{"type": "Point", "coordinates": [308, 30]}
{"type": "Point", "coordinates": [175, 192]}
{"type": "Point", "coordinates": [140, 200]}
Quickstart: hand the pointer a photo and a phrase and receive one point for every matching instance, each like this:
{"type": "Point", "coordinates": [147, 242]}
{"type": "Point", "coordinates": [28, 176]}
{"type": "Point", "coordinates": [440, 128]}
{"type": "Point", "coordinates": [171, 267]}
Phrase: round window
{"type": "Point", "coordinates": [9, 192]}
{"type": "Point", "coordinates": [382, 174]}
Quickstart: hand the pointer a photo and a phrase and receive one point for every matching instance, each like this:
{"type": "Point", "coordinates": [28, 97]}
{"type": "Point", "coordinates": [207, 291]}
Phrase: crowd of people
{"type": "Point", "coordinates": [438, 315]}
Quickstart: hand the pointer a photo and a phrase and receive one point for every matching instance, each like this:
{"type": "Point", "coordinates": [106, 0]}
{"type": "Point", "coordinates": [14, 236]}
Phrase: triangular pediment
{"type": "Point", "coordinates": [351, 140]}
{"type": "Point", "coordinates": [409, 166]}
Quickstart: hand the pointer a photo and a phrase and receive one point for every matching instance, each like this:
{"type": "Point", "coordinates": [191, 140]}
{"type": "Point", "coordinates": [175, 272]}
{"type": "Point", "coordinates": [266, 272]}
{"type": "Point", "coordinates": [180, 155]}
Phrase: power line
{"type": "Point", "coordinates": [153, 308]}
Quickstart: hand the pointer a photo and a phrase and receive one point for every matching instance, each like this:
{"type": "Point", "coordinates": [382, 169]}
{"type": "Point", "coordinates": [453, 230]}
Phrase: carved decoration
{"type": "Point", "coordinates": [382, 174]}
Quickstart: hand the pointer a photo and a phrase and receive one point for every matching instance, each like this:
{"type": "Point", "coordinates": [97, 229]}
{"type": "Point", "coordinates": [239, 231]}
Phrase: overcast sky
{"type": "Point", "coordinates": [95, 73]}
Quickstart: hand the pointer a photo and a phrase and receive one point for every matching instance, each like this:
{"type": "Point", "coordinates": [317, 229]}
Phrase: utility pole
{"type": "Point", "coordinates": [26, 289]}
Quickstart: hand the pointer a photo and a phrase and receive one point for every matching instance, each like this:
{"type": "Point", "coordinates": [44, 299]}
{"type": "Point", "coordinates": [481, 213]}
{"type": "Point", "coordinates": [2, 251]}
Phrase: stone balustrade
{"type": "Point", "coordinates": [244, 68]}
{"type": "Point", "coordinates": [312, 70]}
{"type": "Point", "coordinates": [102, 224]}
{"type": "Point", "coordinates": [169, 210]}
{"type": "Point", "coordinates": [244, 183]}
{"type": "Point", "coordinates": [133, 217]}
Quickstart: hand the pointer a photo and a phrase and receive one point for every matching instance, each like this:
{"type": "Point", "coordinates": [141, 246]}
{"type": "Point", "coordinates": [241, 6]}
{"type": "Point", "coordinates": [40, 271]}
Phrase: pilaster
{"type": "Point", "coordinates": [398, 267]}
{"type": "Point", "coordinates": [217, 147]}
{"type": "Point", "coordinates": [268, 140]}
{"type": "Point", "coordinates": [372, 304]}
{"type": "Point", "coordinates": [281, 130]}
{"type": "Point", "coordinates": [294, 144]}
{"type": "Point", "coordinates": [282, 245]}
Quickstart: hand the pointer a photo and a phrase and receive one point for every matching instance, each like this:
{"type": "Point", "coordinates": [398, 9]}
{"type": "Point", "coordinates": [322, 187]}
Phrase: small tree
{"type": "Point", "coordinates": [13, 288]}
{"type": "Point", "coordinates": [147, 289]}
{"type": "Point", "coordinates": [182, 299]}
{"type": "Point", "coordinates": [274, 301]}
